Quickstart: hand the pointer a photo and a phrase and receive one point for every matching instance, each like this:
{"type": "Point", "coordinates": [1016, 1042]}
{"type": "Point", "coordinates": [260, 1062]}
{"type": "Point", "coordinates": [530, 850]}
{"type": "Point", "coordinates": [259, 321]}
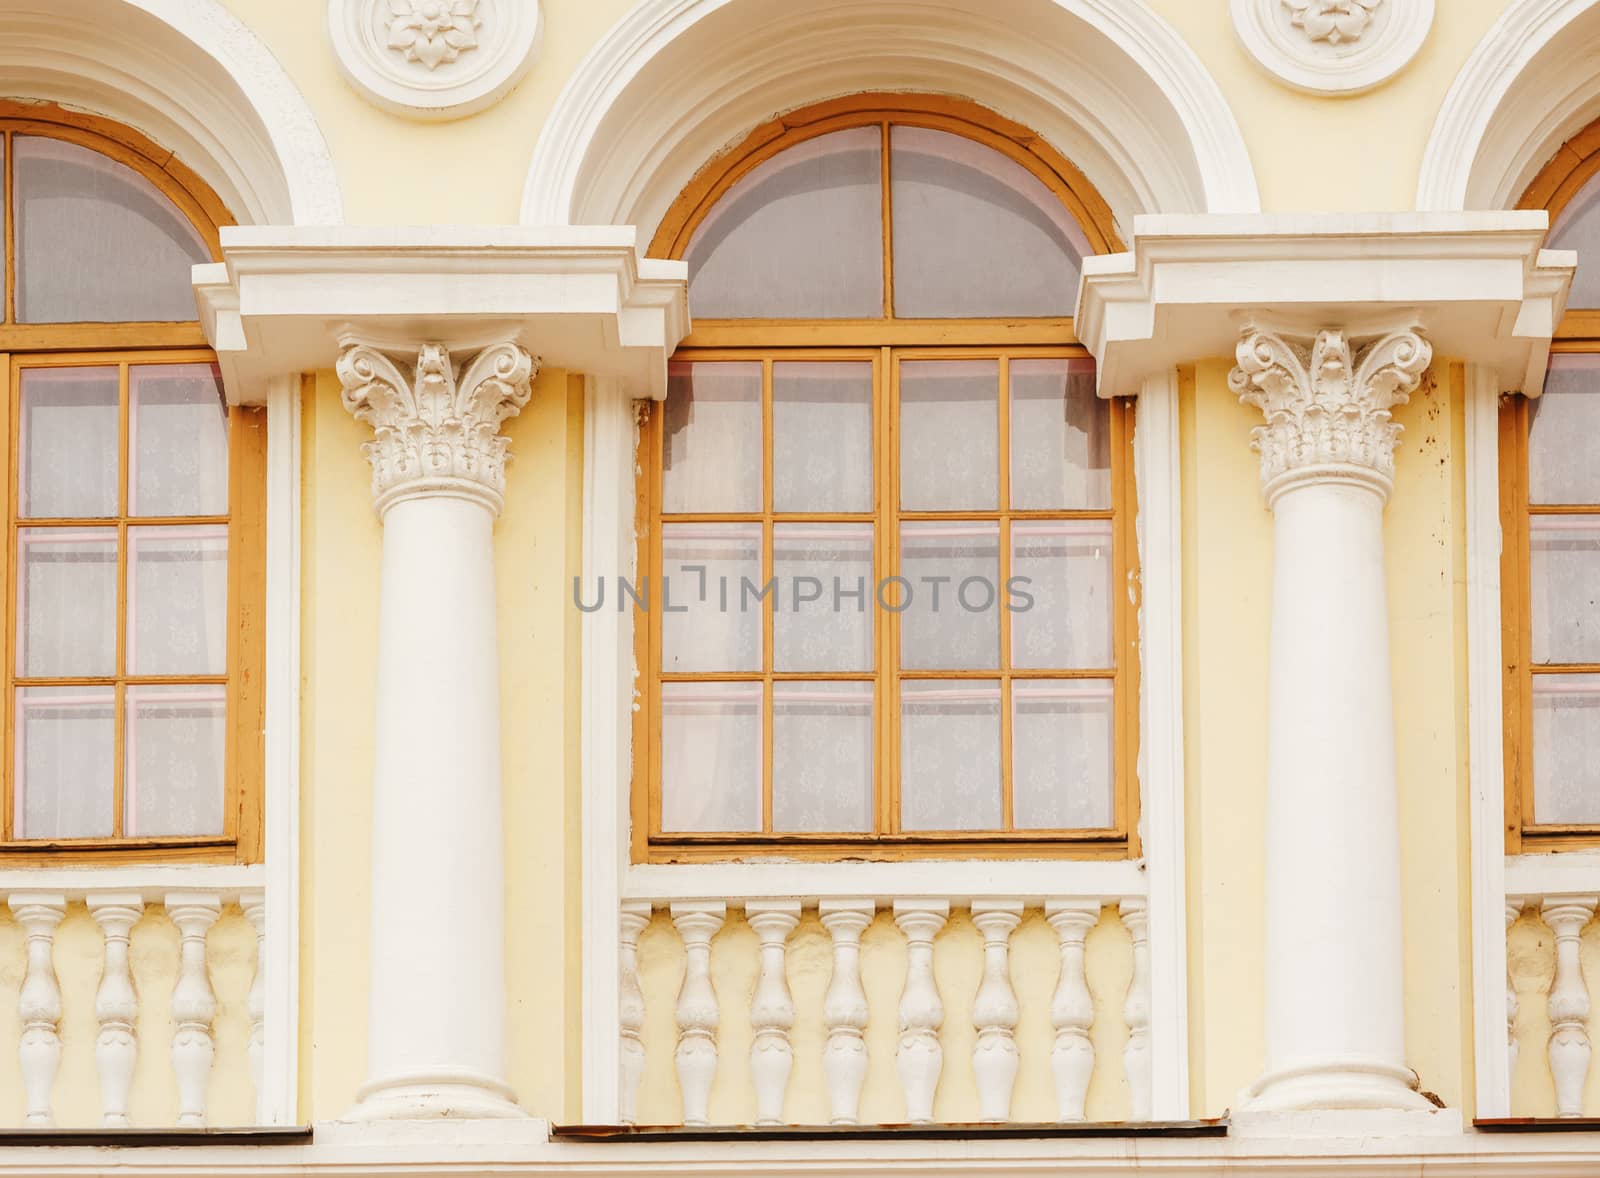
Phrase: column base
{"type": "Point", "coordinates": [448, 1092]}
{"type": "Point", "coordinates": [1336, 1084]}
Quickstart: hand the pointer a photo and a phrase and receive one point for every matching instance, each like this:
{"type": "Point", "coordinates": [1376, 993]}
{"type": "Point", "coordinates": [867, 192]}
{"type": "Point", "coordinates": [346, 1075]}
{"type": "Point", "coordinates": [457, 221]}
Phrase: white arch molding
{"type": "Point", "coordinates": [1531, 83]}
{"type": "Point", "coordinates": [192, 77]}
{"type": "Point", "coordinates": [1106, 82]}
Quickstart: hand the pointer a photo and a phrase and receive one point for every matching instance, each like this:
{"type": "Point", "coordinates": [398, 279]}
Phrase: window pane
{"type": "Point", "coordinates": [711, 459]}
{"type": "Point", "coordinates": [67, 601]}
{"type": "Point", "coordinates": [949, 754]}
{"type": "Point", "coordinates": [64, 773]}
{"type": "Point", "coordinates": [799, 237]}
{"type": "Point", "coordinates": [976, 233]}
{"type": "Point", "coordinates": [1061, 763]}
{"type": "Point", "coordinates": [68, 448]}
{"type": "Point", "coordinates": [953, 621]}
{"type": "Point", "coordinates": [1564, 573]}
{"type": "Point", "coordinates": [176, 742]}
{"type": "Point", "coordinates": [822, 757]}
{"type": "Point", "coordinates": [1563, 462]}
{"type": "Point", "coordinates": [822, 436]}
{"type": "Point", "coordinates": [710, 757]}
{"type": "Point", "coordinates": [709, 598]}
{"type": "Point", "coordinates": [1578, 228]}
{"type": "Point", "coordinates": [1064, 622]}
{"type": "Point", "coordinates": [178, 600]}
{"type": "Point", "coordinates": [1566, 748]}
{"type": "Point", "coordinates": [1060, 437]}
{"type": "Point", "coordinates": [178, 444]}
{"type": "Point", "coordinates": [949, 435]}
{"type": "Point", "coordinates": [96, 241]}
{"type": "Point", "coordinates": [823, 610]}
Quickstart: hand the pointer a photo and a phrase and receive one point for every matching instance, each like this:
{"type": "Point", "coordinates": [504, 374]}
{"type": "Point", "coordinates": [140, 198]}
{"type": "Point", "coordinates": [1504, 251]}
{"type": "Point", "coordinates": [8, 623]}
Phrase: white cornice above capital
{"type": "Point", "coordinates": [1479, 283]}
{"type": "Point", "coordinates": [283, 298]}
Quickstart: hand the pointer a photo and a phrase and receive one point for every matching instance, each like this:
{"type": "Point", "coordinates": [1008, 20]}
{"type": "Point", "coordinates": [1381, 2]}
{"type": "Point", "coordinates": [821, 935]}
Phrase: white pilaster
{"type": "Point", "coordinates": [1335, 1034]}
{"type": "Point", "coordinates": [194, 1004]}
{"type": "Point", "coordinates": [1072, 1007]}
{"type": "Point", "coordinates": [844, 1008]}
{"type": "Point", "coordinates": [697, 1012]}
{"type": "Point", "coordinates": [772, 1008]}
{"type": "Point", "coordinates": [116, 1005]}
{"type": "Point", "coordinates": [437, 1003]}
{"type": "Point", "coordinates": [920, 1058]}
{"type": "Point", "coordinates": [1569, 1001]}
{"type": "Point", "coordinates": [635, 916]}
{"type": "Point", "coordinates": [994, 1010]}
{"type": "Point", "coordinates": [39, 1004]}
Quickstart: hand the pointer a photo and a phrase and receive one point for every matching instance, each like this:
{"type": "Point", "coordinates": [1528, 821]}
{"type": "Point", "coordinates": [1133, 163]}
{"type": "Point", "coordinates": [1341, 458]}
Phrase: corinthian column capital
{"type": "Point", "coordinates": [436, 431]}
{"type": "Point", "coordinates": [1327, 400]}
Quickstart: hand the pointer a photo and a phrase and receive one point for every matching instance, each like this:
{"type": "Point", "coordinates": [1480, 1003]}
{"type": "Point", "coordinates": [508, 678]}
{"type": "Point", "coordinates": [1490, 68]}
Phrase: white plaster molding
{"type": "Point", "coordinates": [1108, 83]}
{"type": "Point", "coordinates": [434, 59]}
{"type": "Point", "coordinates": [1528, 85]}
{"type": "Point", "coordinates": [1332, 46]}
{"type": "Point", "coordinates": [581, 297]}
{"type": "Point", "coordinates": [1480, 284]}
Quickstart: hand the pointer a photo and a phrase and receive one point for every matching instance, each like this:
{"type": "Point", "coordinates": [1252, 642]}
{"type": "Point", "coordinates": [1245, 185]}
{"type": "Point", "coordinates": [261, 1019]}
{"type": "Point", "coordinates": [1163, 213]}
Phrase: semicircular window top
{"type": "Point", "coordinates": [131, 650]}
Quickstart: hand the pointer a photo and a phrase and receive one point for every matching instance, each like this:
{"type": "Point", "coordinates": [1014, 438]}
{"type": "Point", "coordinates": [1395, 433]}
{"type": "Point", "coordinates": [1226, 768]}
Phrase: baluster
{"type": "Point", "coordinates": [696, 1056]}
{"type": "Point", "coordinates": [1513, 911]}
{"type": "Point", "coordinates": [1072, 1007]}
{"type": "Point", "coordinates": [254, 907]}
{"type": "Point", "coordinates": [1569, 1002]}
{"type": "Point", "coordinates": [116, 1005]}
{"type": "Point", "coordinates": [1136, 1007]}
{"type": "Point", "coordinates": [193, 1003]}
{"type": "Point", "coordinates": [994, 1010]}
{"type": "Point", "coordinates": [772, 1009]}
{"type": "Point", "coordinates": [844, 1008]}
{"type": "Point", "coordinates": [40, 1001]}
{"type": "Point", "coordinates": [630, 1010]}
{"type": "Point", "coordinates": [920, 1057]}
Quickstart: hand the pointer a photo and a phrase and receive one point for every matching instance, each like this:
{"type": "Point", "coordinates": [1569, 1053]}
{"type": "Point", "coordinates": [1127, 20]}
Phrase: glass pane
{"type": "Point", "coordinates": [1060, 437]}
{"type": "Point", "coordinates": [1564, 573]}
{"type": "Point", "coordinates": [65, 751]}
{"type": "Point", "coordinates": [67, 601]}
{"type": "Point", "coordinates": [1578, 228]}
{"type": "Point", "coordinates": [1563, 462]}
{"type": "Point", "coordinates": [975, 233]}
{"type": "Point", "coordinates": [822, 618]}
{"type": "Point", "coordinates": [949, 435]}
{"type": "Point", "coordinates": [1061, 613]}
{"type": "Point", "coordinates": [178, 440]}
{"type": "Point", "coordinates": [711, 456]}
{"type": "Point", "coordinates": [949, 754]}
{"type": "Point", "coordinates": [177, 738]}
{"type": "Point", "coordinates": [710, 757]}
{"type": "Point", "coordinates": [68, 447]}
{"type": "Point", "coordinates": [96, 241]}
{"type": "Point", "coordinates": [178, 600]}
{"type": "Point", "coordinates": [953, 620]}
{"type": "Point", "coordinates": [799, 237]}
{"type": "Point", "coordinates": [1566, 748]}
{"type": "Point", "coordinates": [1061, 759]}
{"type": "Point", "coordinates": [822, 757]}
{"type": "Point", "coordinates": [710, 597]}
{"type": "Point", "coordinates": [822, 436]}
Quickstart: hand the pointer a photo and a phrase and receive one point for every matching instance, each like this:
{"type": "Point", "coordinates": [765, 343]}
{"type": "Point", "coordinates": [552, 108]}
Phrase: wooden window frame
{"type": "Point", "coordinates": [126, 345]}
{"type": "Point", "coordinates": [885, 343]}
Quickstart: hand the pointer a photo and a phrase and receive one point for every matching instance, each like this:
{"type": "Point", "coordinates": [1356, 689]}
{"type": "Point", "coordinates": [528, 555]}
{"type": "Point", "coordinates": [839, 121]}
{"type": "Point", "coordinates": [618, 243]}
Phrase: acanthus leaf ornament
{"type": "Point", "coordinates": [1333, 21]}
{"type": "Point", "coordinates": [433, 31]}
{"type": "Point", "coordinates": [435, 432]}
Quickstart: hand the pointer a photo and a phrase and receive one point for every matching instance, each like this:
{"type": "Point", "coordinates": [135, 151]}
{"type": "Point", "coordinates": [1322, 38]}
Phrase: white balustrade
{"type": "Point", "coordinates": [1513, 911]}
{"type": "Point", "coordinates": [116, 1005]}
{"type": "Point", "coordinates": [1568, 1001]}
{"type": "Point", "coordinates": [40, 1002]}
{"type": "Point", "coordinates": [254, 907]}
{"type": "Point", "coordinates": [920, 1012]}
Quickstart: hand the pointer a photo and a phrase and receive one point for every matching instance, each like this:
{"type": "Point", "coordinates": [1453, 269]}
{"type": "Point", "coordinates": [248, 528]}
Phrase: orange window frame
{"type": "Point", "coordinates": [886, 342]}
{"type": "Point", "coordinates": [25, 346]}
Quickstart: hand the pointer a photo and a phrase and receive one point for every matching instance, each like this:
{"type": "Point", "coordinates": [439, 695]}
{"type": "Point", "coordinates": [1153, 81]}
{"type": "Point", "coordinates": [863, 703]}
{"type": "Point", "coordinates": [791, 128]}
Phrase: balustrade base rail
{"type": "Point", "coordinates": [941, 1132]}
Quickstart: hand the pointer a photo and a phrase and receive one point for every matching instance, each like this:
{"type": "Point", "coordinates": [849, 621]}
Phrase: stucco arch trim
{"type": "Point", "coordinates": [1107, 83]}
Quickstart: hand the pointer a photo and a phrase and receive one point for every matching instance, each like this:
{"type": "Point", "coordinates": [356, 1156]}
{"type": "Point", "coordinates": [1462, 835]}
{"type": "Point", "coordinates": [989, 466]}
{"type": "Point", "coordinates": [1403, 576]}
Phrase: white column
{"type": "Point", "coordinates": [772, 1008]}
{"type": "Point", "coordinates": [194, 1003]}
{"type": "Point", "coordinates": [436, 1023]}
{"type": "Point", "coordinates": [1136, 1008]}
{"type": "Point", "coordinates": [39, 1052]}
{"type": "Point", "coordinates": [254, 907]}
{"type": "Point", "coordinates": [994, 1010]}
{"type": "Point", "coordinates": [1072, 1007]}
{"type": "Point", "coordinates": [697, 1012]}
{"type": "Point", "coordinates": [844, 1008]}
{"type": "Point", "coordinates": [630, 1010]}
{"type": "Point", "coordinates": [116, 1005]}
{"type": "Point", "coordinates": [1569, 1001]}
{"type": "Point", "coordinates": [920, 1058]}
{"type": "Point", "coordinates": [1335, 1033]}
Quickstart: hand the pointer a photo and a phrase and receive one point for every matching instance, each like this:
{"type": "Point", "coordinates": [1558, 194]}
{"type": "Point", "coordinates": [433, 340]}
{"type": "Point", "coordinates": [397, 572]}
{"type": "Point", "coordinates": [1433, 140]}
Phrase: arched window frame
{"type": "Point", "coordinates": [33, 345]}
{"type": "Point", "coordinates": [892, 336]}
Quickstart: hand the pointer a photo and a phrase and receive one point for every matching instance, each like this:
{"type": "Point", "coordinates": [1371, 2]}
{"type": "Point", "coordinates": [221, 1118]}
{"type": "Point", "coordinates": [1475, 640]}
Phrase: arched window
{"type": "Point", "coordinates": [134, 518]}
{"type": "Point", "coordinates": [889, 534]}
{"type": "Point", "coordinates": [1550, 563]}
